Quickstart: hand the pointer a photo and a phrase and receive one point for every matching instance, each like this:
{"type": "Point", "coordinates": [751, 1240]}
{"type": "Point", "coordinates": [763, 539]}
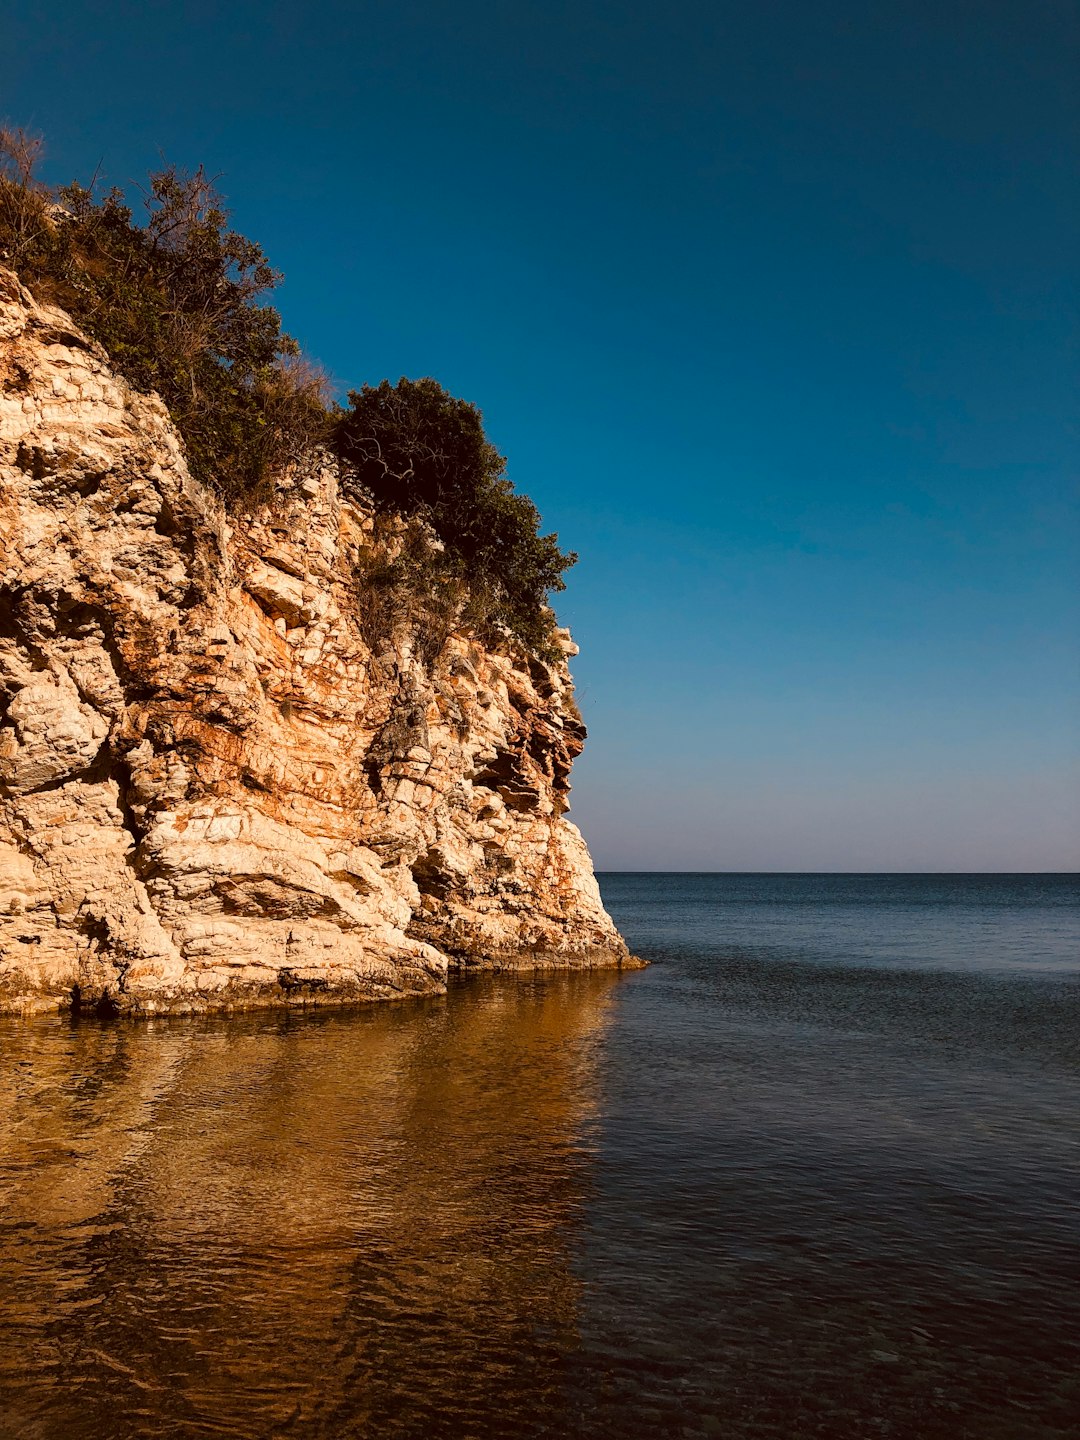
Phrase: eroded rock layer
{"type": "Point", "coordinates": [213, 790]}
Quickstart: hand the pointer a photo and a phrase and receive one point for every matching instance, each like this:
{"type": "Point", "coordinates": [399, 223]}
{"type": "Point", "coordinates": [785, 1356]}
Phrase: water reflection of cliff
{"type": "Point", "coordinates": [342, 1225]}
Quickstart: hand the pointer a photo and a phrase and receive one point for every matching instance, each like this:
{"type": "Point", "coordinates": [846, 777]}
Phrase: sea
{"type": "Point", "coordinates": [813, 1173]}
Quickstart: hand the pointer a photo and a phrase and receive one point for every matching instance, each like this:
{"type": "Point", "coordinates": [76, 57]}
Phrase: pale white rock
{"type": "Point", "coordinates": [281, 593]}
{"type": "Point", "coordinates": [213, 790]}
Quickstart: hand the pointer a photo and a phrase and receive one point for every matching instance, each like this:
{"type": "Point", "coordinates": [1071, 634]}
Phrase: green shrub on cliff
{"type": "Point", "coordinates": [176, 301]}
{"type": "Point", "coordinates": [176, 297]}
{"type": "Point", "coordinates": [418, 452]}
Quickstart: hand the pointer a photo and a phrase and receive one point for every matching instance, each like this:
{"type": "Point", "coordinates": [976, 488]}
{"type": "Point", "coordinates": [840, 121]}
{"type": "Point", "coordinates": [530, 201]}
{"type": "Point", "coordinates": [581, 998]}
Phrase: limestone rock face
{"type": "Point", "coordinates": [213, 790]}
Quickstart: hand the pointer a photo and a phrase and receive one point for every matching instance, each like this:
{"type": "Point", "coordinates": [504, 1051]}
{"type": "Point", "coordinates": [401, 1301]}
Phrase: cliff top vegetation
{"type": "Point", "coordinates": [179, 301]}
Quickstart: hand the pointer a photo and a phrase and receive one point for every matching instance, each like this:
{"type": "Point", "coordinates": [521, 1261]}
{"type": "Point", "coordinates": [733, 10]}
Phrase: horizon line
{"type": "Point", "coordinates": [1072, 874]}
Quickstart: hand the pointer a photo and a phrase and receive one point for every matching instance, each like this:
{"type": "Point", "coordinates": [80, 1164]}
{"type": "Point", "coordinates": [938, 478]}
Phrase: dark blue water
{"type": "Point", "coordinates": [814, 1173]}
{"type": "Point", "coordinates": [976, 923]}
{"type": "Point", "coordinates": [842, 1130]}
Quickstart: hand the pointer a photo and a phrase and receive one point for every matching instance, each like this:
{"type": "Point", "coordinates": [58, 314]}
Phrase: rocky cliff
{"type": "Point", "coordinates": [214, 791]}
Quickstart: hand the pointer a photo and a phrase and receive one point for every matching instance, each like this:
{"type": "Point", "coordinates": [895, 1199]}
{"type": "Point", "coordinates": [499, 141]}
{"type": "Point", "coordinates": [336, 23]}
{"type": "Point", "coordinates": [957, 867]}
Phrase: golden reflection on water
{"type": "Point", "coordinates": [339, 1224]}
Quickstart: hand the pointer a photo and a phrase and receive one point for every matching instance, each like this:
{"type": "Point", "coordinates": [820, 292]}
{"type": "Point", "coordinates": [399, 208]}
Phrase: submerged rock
{"type": "Point", "coordinates": [213, 791]}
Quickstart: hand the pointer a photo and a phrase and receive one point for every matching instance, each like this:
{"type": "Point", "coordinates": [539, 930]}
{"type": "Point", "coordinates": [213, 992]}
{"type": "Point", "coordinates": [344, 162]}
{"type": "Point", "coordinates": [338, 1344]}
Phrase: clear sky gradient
{"type": "Point", "coordinates": [769, 306]}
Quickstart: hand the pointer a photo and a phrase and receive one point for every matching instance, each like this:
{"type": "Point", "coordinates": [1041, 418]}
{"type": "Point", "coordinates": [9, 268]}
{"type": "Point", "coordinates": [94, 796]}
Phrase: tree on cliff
{"type": "Point", "coordinates": [176, 300]}
{"type": "Point", "coordinates": [417, 451]}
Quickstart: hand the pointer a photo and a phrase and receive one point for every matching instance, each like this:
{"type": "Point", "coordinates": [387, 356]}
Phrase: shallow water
{"type": "Point", "coordinates": [813, 1173]}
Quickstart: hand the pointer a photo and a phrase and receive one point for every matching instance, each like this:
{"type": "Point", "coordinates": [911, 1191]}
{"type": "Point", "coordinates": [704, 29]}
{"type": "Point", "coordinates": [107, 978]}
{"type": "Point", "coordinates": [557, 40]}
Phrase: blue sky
{"type": "Point", "coordinates": [768, 305]}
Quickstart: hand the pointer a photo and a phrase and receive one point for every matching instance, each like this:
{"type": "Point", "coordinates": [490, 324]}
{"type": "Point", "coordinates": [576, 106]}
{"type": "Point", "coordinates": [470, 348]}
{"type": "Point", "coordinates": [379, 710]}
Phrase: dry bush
{"type": "Point", "coordinates": [24, 203]}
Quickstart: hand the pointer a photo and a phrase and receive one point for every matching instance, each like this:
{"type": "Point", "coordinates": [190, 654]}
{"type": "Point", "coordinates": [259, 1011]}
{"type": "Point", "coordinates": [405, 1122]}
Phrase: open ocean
{"type": "Point", "coordinates": [814, 1173]}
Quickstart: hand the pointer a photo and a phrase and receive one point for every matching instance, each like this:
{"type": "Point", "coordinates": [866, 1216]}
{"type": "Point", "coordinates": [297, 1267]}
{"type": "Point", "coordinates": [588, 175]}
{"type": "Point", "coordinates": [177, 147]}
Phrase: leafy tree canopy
{"type": "Point", "coordinates": [418, 451]}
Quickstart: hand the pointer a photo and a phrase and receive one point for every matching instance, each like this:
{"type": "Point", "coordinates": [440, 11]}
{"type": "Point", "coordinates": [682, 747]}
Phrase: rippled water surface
{"type": "Point", "coordinates": [816, 1172]}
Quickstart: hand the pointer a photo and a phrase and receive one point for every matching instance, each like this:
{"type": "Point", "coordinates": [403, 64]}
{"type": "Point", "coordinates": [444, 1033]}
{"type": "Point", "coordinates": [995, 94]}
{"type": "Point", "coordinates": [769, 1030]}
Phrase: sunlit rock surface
{"type": "Point", "coordinates": [213, 792]}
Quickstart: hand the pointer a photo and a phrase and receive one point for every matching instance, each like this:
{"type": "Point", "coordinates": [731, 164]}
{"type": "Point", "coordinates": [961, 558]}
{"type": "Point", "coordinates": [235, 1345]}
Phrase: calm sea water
{"type": "Point", "coordinates": [816, 1172]}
